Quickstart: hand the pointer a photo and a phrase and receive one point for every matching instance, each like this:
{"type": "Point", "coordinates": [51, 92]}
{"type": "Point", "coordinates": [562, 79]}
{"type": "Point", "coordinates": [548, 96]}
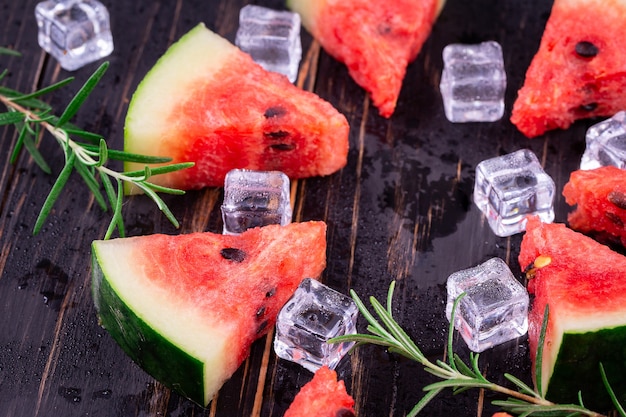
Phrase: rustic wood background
{"type": "Point", "coordinates": [401, 210]}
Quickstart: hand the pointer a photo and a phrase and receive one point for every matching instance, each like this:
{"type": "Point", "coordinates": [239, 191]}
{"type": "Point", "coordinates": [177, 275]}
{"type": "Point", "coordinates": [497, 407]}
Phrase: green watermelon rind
{"type": "Point", "coordinates": [576, 362]}
{"type": "Point", "coordinates": [161, 358]}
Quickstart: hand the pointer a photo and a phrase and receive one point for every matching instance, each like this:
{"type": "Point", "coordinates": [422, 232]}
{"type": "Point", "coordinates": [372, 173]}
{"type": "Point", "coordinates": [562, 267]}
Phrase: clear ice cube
{"type": "Point", "coordinates": [473, 82]}
{"type": "Point", "coordinates": [314, 315]}
{"type": "Point", "coordinates": [494, 309]}
{"type": "Point", "coordinates": [255, 199]}
{"type": "Point", "coordinates": [75, 32]}
{"type": "Point", "coordinates": [606, 143]}
{"type": "Point", "coordinates": [511, 187]}
{"type": "Point", "coordinates": [272, 38]}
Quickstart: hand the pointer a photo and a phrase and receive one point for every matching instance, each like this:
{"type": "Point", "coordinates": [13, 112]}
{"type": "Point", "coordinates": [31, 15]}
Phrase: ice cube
{"type": "Point", "coordinates": [314, 315]}
{"type": "Point", "coordinates": [473, 82]}
{"type": "Point", "coordinates": [606, 143]}
{"type": "Point", "coordinates": [494, 308]}
{"type": "Point", "coordinates": [75, 32]}
{"type": "Point", "coordinates": [255, 199]}
{"type": "Point", "coordinates": [272, 38]}
{"type": "Point", "coordinates": [508, 188]}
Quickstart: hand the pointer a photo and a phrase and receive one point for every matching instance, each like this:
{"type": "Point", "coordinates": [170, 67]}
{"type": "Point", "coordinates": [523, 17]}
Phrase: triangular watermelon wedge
{"type": "Point", "coordinates": [579, 70]}
{"type": "Point", "coordinates": [187, 308]}
{"type": "Point", "coordinates": [375, 39]}
{"type": "Point", "coordinates": [205, 101]}
{"type": "Point", "coordinates": [599, 198]}
{"type": "Point", "coordinates": [322, 396]}
{"type": "Point", "coordinates": [584, 284]}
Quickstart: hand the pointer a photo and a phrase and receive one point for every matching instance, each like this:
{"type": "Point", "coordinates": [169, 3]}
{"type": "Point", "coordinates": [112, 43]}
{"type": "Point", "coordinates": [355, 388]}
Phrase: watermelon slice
{"type": "Point", "coordinates": [375, 39]}
{"type": "Point", "coordinates": [583, 283]}
{"type": "Point", "coordinates": [323, 396]}
{"type": "Point", "coordinates": [187, 308]}
{"type": "Point", "coordinates": [600, 199]}
{"type": "Point", "coordinates": [207, 102]}
{"type": "Point", "coordinates": [579, 70]}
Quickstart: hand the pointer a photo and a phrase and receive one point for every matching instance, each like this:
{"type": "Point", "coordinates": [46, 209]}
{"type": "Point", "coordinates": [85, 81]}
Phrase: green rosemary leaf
{"type": "Point", "coordinates": [11, 118]}
{"type": "Point", "coordinates": [359, 338]}
{"type": "Point", "coordinates": [55, 192]}
{"type": "Point", "coordinates": [609, 390]}
{"type": "Point", "coordinates": [91, 182]}
{"type": "Point", "coordinates": [82, 95]}
{"type": "Point", "coordinates": [19, 143]}
{"type": "Point", "coordinates": [397, 331]}
{"type": "Point", "coordinates": [521, 385]}
{"type": "Point", "coordinates": [115, 199]}
{"type": "Point", "coordinates": [166, 190]}
{"type": "Point", "coordinates": [368, 316]}
{"type": "Point", "coordinates": [160, 169]}
{"type": "Point", "coordinates": [452, 383]}
{"type": "Point", "coordinates": [94, 138]}
{"type": "Point", "coordinates": [32, 103]}
{"type": "Point", "coordinates": [159, 202]}
{"type": "Point", "coordinates": [31, 147]}
{"type": "Point", "coordinates": [7, 51]}
{"type": "Point", "coordinates": [461, 366]}
{"type": "Point", "coordinates": [38, 93]}
{"type": "Point", "coordinates": [103, 153]}
{"type": "Point", "coordinates": [539, 355]}
{"type": "Point", "coordinates": [3, 74]}
{"type": "Point", "coordinates": [455, 305]}
{"type": "Point", "coordinates": [428, 397]}
{"type": "Point", "coordinates": [392, 287]}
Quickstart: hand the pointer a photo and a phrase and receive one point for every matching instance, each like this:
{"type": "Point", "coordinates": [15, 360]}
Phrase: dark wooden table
{"type": "Point", "coordinates": [400, 210]}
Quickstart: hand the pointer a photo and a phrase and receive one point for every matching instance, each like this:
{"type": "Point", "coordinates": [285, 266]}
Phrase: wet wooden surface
{"type": "Point", "coordinates": [400, 210]}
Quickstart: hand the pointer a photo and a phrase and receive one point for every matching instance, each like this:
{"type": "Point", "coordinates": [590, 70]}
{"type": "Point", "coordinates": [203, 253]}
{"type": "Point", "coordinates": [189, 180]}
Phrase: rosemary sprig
{"type": "Point", "coordinates": [85, 152]}
{"type": "Point", "coordinates": [458, 375]}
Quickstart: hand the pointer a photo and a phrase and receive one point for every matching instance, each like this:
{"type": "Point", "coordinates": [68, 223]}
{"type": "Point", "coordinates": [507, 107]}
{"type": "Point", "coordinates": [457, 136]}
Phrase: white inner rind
{"type": "Point", "coordinates": [196, 56]}
{"type": "Point", "coordinates": [174, 319]}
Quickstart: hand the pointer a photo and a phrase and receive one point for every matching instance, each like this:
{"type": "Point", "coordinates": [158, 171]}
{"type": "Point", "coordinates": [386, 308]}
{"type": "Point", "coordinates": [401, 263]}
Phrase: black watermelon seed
{"type": "Point", "coordinates": [275, 111]}
{"type": "Point", "coordinates": [260, 312]}
{"type": "Point", "coordinates": [270, 293]}
{"type": "Point", "coordinates": [344, 412]}
{"type": "Point", "coordinates": [589, 106]}
{"type": "Point", "coordinates": [617, 198]}
{"type": "Point", "coordinates": [262, 326]}
{"type": "Point", "coordinates": [279, 134]}
{"type": "Point", "coordinates": [586, 49]}
{"type": "Point", "coordinates": [283, 147]}
{"type": "Point", "coordinates": [233, 254]}
{"type": "Point", "coordinates": [614, 218]}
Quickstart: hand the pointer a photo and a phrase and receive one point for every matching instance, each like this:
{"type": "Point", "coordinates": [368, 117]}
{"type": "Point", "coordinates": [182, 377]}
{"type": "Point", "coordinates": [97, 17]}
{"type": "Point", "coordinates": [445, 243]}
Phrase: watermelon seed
{"type": "Point", "coordinates": [283, 146]}
{"type": "Point", "coordinates": [260, 312]}
{"type": "Point", "coordinates": [275, 111]}
{"type": "Point", "coordinates": [618, 199]}
{"type": "Point", "coordinates": [233, 254]}
{"type": "Point", "coordinates": [542, 261]}
{"type": "Point", "coordinates": [344, 412]}
{"type": "Point", "coordinates": [279, 134]}
{"type": "Point", "coordinates": [271, 292]}
{"type": "Point", "coordinates": [262, 326]}
{"type": "Point", "coordinates": [586, 49]}
{"type": "Point", "coordinates": [614, 218]}
{"type": "Point", "coordinates": [589, 106]}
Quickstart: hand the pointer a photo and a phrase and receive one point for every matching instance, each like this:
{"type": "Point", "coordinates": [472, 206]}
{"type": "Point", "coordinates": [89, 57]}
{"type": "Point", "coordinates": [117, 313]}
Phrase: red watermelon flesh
{"type": "Point", "coordinates": [563, 85]}
{"type": "Point", "coordinates": [583, 283]}
{"type": "Point", "coordinates": [187, 308]}
{"type": "Point", "coordinates": [376, 40]}
{"type": "Point", "coordinates": [323, 396]}
{"type": "Point", "coordinates": [600, 199]}
{"type": "Point", "coordinates": [207, 102]}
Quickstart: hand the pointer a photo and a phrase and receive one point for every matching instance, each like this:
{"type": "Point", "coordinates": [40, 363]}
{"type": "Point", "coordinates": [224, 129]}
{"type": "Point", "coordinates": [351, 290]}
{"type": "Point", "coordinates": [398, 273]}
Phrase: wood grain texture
{"type": "Point", "coordinates": [400, 210]}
